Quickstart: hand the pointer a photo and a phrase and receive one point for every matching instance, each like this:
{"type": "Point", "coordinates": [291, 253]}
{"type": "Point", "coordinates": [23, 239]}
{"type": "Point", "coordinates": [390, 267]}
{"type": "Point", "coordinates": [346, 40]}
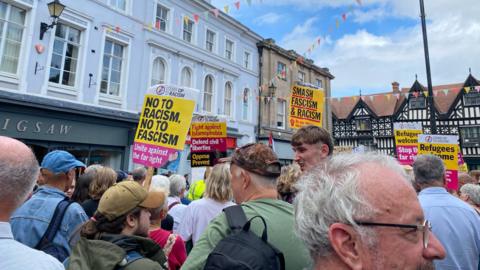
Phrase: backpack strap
{"type": "Point", "coordinates": [235, 217]}
{"type": "Point", "coordinates": [172, 205]}
{"type": "Point", "coordinates": [130, 257]}
{"type": "Point", "coordinates": [55, 222]}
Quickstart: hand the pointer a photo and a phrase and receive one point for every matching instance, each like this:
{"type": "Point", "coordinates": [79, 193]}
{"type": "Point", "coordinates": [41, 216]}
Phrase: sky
{"type": "Point", "coordinates": [379, 42]}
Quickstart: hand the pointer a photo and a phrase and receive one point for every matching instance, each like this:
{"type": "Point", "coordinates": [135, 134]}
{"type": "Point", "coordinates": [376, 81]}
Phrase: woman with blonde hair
{"type": "Point", "coordinates": [217, 196]}
{"type": "Point", "coordinates": [103, 178]}
{"type": "Point", "coordinates": [286, 182]}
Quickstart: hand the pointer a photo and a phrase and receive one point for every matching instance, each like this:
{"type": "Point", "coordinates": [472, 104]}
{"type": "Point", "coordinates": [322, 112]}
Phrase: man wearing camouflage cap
{"type": "Point", "coordinates": [254, 169]}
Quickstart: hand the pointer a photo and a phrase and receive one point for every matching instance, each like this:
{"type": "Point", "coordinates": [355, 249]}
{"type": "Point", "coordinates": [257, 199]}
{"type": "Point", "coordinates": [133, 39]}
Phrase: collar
{"type": "Point", "coordinates": [50, 190]}
{"type": "Point", "coordinates": [5, 231]}
{"type": "Point", "coordinates": [434, 190]}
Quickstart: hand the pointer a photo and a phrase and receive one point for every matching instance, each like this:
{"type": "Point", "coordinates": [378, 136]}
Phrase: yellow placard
{"type": "Point", "coordinates": [164, 121]}
{"type": "Point", "coordinates": [306, 106]}
{"type": "Point", "coordinates": [209, 130]}
{"type": "Point", "coordinates": [447, 152]}
{"type": "Point", "coordinates": [407, 136]}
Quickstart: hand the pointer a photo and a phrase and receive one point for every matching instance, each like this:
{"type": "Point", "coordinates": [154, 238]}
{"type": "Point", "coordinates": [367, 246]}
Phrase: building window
{"type": "Point", "coordinates": [282, 71]}
{"type": "Point", "coordinates": [246, 95]}
{"type": "Point", "coordinates": [417, 102]}
{"type": "Point", "coordinates": [66, 47]}
{"type": "Point", "coordinates": [12, 20]}
{"type": "Point", "coordinates": [363, 124]}
{"type": "Point", "coordinates": [247, 60]}
{"type": "Point", "coordinates": [281, 109]}
{"type": "Point", "coordinates": [227, 106]}
{"type": "Point", "coordinates": [301, 76]}
{"type": "Point", "coordinates": [158, 71]}
{"type": "Point", "coordinates": [187, 30]}
{"type": "Point", "coordinates": [161, 20]}
{"type": "Point", "coordinates": [208, 94]}
{"type": "Point", "coordinates": [186, 79]}
{"type": "Point", "coordinates": [119, 4]}
{"type": "Point", "coordinates": [319, 83]}
{"type": "Point", "coordinates": [113, 57]}
{"type": "Point", "coordinates": [229, 49]}
{"type": "Point", "coordinates": [470, 136]}
{"type": "Point", "coordinates": [210, 41]}
{"type": "Point", "coordinates": [471, 98]}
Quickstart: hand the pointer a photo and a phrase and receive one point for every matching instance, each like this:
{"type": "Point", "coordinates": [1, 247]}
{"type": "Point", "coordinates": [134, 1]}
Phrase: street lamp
{"type": "Point", "coordinates": [433, 125]}
{"type": "Point", "coordinates": [55, 8]}
{"type": "Point", "coordinates": [271, 90]}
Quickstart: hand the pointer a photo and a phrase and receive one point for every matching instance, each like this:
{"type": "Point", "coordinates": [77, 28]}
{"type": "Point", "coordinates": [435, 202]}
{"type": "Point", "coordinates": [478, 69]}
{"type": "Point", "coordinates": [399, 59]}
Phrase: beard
{"type": "Point", "coordinates": [426, 266]}
{"type": "Point", "coordinates": [142, 231]}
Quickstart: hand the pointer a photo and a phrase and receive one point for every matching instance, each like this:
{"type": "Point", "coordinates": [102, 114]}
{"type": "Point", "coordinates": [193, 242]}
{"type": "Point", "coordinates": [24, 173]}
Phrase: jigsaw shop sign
{"type": "Point", "coordinates": [446, 148]}
{"type": "Point", "coordinates": [208, 143]}
{"type": "Point", "coordinates": [162, 129]}
{"type": "Point", "coordinates": [406, 140]}
{"type": "Point", "coordinates": [306, 106]}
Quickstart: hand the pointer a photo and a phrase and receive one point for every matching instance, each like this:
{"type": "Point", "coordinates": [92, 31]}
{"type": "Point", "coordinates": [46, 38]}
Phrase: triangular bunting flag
{"type": "Point", "coordinates": [157, 24]}
{"type": "Point", "coordinates": [467, 89]}
{"type": "Point", "coordinates": [215, 12]}
{"type": "Point", "coordinates": [149, 27]}
{"type": "Point", "coordinates": [477, 88]}
{"type": "Point", "coordinates": [337, 23]}
{"type": "Point", "coordinates": [177, 21]}
{"type": "Point", "coordinates": [371, 98]}
{"type": "Point", "coordinates": [117, 29]}
{"type": "Point", "coordinates": [445, 91]}
{"type": "Point", "coordinates": [344, 16]}
{"type": "Point", "coordinates": [196, 18]}
{"type": "Point", "coordinates": [109, 29]}
{"type": "Point", "coordinates": [425, 93]}
{"type": "Point", "coordinates": [206, 14]}
{"type": "Point", "coordinates": [318, 41]}
{"type": "Point", "coordinates": [406, 95]}
{"type": "Point", "coordinates": [237, 5]}
{"type": "Point", "coordinates": [435, 93]}
{"type": "Point", "coordinates": [389, 96]}
{"type": "Point", "coordinates": [185, 20]}
{"type": "Point", "coordinates": [226, 8]}
{"type": "Point", "coordinates": [354, 98]}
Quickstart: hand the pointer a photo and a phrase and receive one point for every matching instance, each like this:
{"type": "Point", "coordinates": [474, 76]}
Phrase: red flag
{"type": "Point", "coordinates": [117, 29]}
{"type": "Point", "coordinates": [271, 142]}
{"type": "Point", "coordinates": [318, 41]}
{"type": "Point", "coordinates": [215, 12]}
{"type": "Point", "coordinates": [237, 4]}
{"type": "Point", "coordinates": [157, 24]}
{"type": "Point", "coordinates": [196, 17]}
{"type": "Point", "coordinates": [344, 17]}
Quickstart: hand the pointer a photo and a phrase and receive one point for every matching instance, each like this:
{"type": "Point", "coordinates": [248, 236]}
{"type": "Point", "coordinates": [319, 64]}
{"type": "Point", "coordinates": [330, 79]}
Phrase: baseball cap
{"type": "Point", "coordinates": [257, 158]}
{"type": "Point", "coordinates": [60, 161]}
{"type": "Point", "coordinates": [123, 197]}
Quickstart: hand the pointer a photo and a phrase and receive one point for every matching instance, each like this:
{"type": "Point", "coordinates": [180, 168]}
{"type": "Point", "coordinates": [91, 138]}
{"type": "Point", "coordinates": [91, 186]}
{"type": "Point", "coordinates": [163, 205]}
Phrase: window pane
{"type": "Point", "coordinates": [58, 46]}
{"type": "Point", "coordinates": [116, 63]}
{"type": "Point", "coordinates": [108, 47]}
{"type": "Point", "coordinates": [54, 75]}
{"type": "Point", "coordinates": [17, 15]}
{"type": "Point", "coordinates": [74, 35]}
{"type": "Point", "coordinates": [118, 50]}
{"type": "Point", "coordinates": [103, 87]}
{"type": "Point", "coordinates": [105, 74]}
{"type": "Point", "coordinates": [61, 31]}
{"type": "Point", "coordinates": [72, 51]}
{"type": "Point", "coordinates": [114, 89]}
{"type": "Point", "coordinates": [3, 10]}
{"type": "Point", "coordinates": [56, 61]}
{"type": "Point", "coordinates": [68, 78]}
{"type": "Point", "coordinates": [14, 32]}
{"type": "Point", "coordinates": [115, 77]}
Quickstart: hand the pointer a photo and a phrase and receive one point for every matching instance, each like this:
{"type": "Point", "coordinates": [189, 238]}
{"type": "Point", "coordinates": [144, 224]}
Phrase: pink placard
{"type": "Point", "coordinates": [451, 179]}
{"type": "Point", "coordinates": [406, 154]}
{"type": "Point", "coordinates": [151, 155]}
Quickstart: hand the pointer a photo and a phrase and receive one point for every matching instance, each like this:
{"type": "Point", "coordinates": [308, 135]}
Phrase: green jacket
{"type": "Point", "coordinates": [109, 253]}
{"type": "Point", "coordinates": [196, 190]}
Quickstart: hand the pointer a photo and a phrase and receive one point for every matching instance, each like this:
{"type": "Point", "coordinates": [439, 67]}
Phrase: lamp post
{"type": "Point", "coordinates": [270, 94]}
{"type": "Point", "coordinates": [433, 125]}
{"type": "Point", "coordinates": [55, 8]}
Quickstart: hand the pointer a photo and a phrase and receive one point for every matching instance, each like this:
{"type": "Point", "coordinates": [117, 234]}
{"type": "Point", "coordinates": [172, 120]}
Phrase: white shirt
{"type": "Point", "coordinates": [197, 216]}
{"type": "Point", "coordinates": [176, 212]}
{"type": "Point", "coordinates": [17, 256]}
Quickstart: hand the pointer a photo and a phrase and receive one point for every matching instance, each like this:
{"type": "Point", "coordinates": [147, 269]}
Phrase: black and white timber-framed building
{"type": "Point", "coordinates": [368, 119]}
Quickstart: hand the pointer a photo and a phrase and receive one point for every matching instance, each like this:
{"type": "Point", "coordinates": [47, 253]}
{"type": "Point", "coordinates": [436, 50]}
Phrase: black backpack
{"type": "Point", "coordinates": [243, 249]}
{"type": "Point", "coordinates": [46, 242]}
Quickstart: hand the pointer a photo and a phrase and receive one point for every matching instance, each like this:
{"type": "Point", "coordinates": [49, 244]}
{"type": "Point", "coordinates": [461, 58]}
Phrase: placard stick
{"type": "Point", "coordinates": [148, 178]}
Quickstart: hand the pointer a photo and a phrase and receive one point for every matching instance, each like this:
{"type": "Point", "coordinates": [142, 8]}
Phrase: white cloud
{"type": "Point", "coordinates": [268, 18]}
{"type": "Point", "coordinates": [376, 14]}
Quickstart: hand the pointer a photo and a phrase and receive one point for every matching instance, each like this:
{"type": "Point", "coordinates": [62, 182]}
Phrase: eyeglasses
{"type": "Point", "coordinates": [425, 228]}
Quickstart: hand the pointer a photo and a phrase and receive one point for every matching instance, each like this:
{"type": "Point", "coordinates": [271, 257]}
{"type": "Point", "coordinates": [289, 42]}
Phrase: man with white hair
{"type": "Point", "coordinates": [18, 173]}
{"type": "Point", "coordinates": [456, 223]}
{"type": "Point", "coordinates": [176, 209]}
{"type": "Point", "coordinates": [360, 212]}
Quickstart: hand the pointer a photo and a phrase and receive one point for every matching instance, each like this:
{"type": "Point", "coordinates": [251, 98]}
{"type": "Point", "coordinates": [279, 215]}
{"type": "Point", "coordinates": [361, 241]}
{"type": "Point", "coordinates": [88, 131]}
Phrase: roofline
{"type": "Point", "coordinates": [293, 56]}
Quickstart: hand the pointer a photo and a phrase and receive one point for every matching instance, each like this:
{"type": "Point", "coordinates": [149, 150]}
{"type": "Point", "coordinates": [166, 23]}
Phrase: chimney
{"type": "Point", "coordinates": [395, 87]}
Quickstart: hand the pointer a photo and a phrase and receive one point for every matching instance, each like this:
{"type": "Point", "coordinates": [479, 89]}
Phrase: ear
{"type": "Point", "coordinates": [131, 221]}
{"type": "Point", "coordinates": [325, 150]}
{"type": "Point", "coordinates": [246, 179]}
{"type": "Point", "coordinates": [347, 245]}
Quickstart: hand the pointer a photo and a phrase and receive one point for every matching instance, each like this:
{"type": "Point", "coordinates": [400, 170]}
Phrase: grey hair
{"type": "Point", "coordinates": [17, 177]}
{"type": "Point", "coordinates": [428, 169]}
{"type": "Point", "coordinates": [177, 183]}
{"type": "Point", "coordinates": [139, 174]}
{"type": "Point", "coordinates": [160, 182]}
{"type": "Point", "coordinates": [332, 194]}
{"type": "Point", "coordinates": [473, 191]}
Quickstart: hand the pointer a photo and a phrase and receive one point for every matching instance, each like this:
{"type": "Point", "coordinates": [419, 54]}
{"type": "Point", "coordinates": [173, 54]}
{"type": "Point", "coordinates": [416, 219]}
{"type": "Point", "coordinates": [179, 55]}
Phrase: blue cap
{"type": "Point", "coordinates": [59, 161]}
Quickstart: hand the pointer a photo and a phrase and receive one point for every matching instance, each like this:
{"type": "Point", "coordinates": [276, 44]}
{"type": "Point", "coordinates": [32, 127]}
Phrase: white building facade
{"type": "Point", "coordinates": [80, 88]}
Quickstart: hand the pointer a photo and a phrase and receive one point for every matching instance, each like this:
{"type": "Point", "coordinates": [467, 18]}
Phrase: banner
{"type": "Point", "coordinates": [462, 166]}
{"type": "Point", "coordinates": [162, 129]}
{"type": "Point", "coordinates": [306, 106]}
{"type": "Point", "coordinates": [406, 140]}
{"type": "Point", "coordinates": [208, 143]}
{"type": "Point", "coordinates": [446, 148]}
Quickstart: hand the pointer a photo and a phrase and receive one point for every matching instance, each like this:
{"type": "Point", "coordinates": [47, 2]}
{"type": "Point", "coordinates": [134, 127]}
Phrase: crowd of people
{"type": "Point", "coordinates": [324, 211]}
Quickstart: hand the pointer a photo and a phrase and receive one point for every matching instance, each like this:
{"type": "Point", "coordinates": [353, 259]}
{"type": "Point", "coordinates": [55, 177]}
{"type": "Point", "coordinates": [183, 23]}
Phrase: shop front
{"type": "Point", "coordinates": [93, 135]}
